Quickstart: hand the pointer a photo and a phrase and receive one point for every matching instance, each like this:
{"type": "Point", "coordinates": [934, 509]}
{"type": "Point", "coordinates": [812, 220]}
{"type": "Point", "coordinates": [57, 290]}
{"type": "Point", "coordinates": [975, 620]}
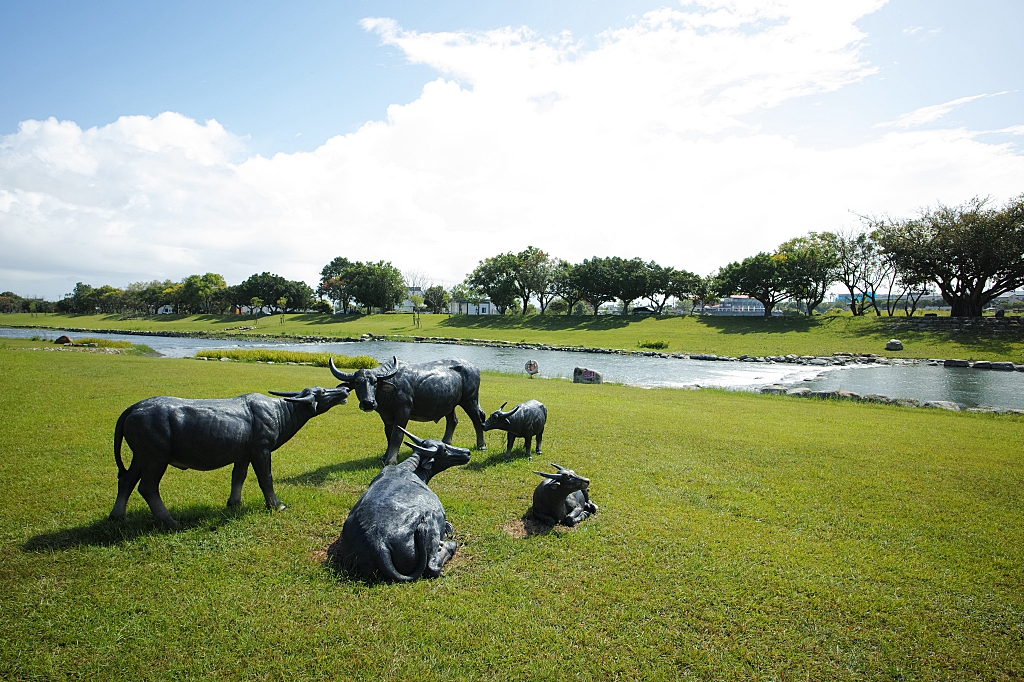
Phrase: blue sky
{"type": "Point", "coordinates": [552, 123]}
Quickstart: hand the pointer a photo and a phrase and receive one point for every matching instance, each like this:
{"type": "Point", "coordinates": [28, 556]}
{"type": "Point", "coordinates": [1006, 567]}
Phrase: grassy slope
{"type": "Point", "coordinates": [739, 536]}
{"type": "Point", "coordinates": [720, 335]}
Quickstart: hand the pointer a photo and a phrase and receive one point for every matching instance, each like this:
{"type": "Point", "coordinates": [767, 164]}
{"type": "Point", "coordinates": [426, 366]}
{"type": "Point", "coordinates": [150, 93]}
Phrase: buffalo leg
{"type": "Point", "coordinates": [261, 465]}
{"type": "Point", "coordinates": [394, 442]}
{"type": "Point", "coordinates": [477, 416]}
{"type": "Point", "coordinates": [238, 475]}
{"type": "Point", "coordinates": [126, 482]}
{"type": "Point", "coordinates": [511, 442]}
{"type": "Point", "coordinates": [539, 436]}
{"type": "Point", "coordinates": [529, 442]}
{"type": "Point", "coordinates": [450, 422]}
{"type": "Point", "coordinates": [149, 488]}
{"type": "Point", "coordinates": [445, 551]}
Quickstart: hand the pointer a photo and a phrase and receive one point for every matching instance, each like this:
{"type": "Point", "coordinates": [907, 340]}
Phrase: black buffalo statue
{"type": "Point", "coordinates": [423, 392]}
{"type": "Point", "coordinates": [562, 498]}
{"type": "Point", "coordinates": [397, 531]}
{"type": "Point", "coordinates": [210, 434]}
{"type": "Point", "coordinates": [525, 420]}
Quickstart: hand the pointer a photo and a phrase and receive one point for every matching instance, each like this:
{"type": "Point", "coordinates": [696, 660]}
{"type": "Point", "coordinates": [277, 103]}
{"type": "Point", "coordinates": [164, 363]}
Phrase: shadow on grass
{"type": "Point", "coordinates": [317, 477]}
{"type": "Point", "coordinates": [139, 522]}
{"type": "Point", "coordinates": [758, 325]}
{"type": "Point", "coordinates": [539, 322]}
{"type": "Point", "coordinates": [495, 458]}
{"type": "Point", "coordinates": [533, 526]}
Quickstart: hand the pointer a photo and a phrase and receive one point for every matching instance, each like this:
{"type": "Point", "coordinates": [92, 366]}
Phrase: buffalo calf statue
{"type": "Point", "coordinates": [525, 420]}
{"type": "Point", "coordinates": [562, 498]}
{"type": "Point", "coordinates": [397, 531]}
{"type": "Point", "coordinates": [210, 434]}
{"type": "Point", "coordinates": [423, 392]}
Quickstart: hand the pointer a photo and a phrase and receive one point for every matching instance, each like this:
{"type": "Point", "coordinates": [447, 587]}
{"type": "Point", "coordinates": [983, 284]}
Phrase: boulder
{"type": "Point", "coordinates": [63, 339]}
{"type": "Point", "coordinates": [982, 364]}
{"type": "Point", "coordinates": [824, 395]}
{"type": "Point", "coordinates": [942, 405]}
{"type": "Point", "coordinates": [799, 392]}
{"type": "Point", "coordinates": [773, 390]}
{"type": "Point", "coordinates": [894, 344]}
{"type": "Point", "coordinates": [582, 375]}
{"type": "Point", "coordinates": [1003, 366]}
{"type": "Point", "coordinates": [906, 402]}
{"type": "Point", "coordinates": [818, 362]}
{"type": "Point", "coordinates": [876, 398]}
{"type": "Point", "coordinates": [955, 363]}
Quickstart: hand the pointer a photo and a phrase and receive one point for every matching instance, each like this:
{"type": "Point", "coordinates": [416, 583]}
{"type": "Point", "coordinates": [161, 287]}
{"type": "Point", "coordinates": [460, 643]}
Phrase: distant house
{"type": "Point", "coordinates": [165, 310]}
{"type": "Point", "coordinates": [461, 306]}
{"type": "Point", "coordinates": [407, 306]}
{"type": "Point", "coordinates": [738, 305]}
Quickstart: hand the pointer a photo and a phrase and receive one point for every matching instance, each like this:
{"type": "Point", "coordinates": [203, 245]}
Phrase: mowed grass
{"type": "Point", "coordinates": [286, 356]}
{"type": "Point", "coordinates": [739, 537]}
{"type": "Point", "coordinates": [733, 336]}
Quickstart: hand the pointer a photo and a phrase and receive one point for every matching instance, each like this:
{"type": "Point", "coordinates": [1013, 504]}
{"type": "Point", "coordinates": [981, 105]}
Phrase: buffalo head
{"type": "Point", "coordinates": [499, 419]}
{"type": "Point", "coordinates": [365, 382]}
{"type": "Point", "coordinates": [435, 456]}
{"type": "Point", "coordinates": [567, 479]}
{"type": "Point", "coordinates": [319, 399]}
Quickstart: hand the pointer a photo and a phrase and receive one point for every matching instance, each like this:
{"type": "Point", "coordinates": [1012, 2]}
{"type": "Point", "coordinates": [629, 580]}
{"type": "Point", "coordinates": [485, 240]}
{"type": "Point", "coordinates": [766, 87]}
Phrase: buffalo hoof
{"type": "Point", "coordinates": [234, 503]}
{"type": "Point", "coordinates": [117, 516]}
{"type": "Point", "coordinates": [169, 522]}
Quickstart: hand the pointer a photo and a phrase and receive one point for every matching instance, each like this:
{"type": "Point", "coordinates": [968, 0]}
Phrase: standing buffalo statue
{"type": "Point", "coordinates": [423, 392]}
{"type": "Point", "coordinates": [525, 420]}
{"type": "Point", "coordinates": [562, 498]}
{"type": "Point", "coordinates": [210, 434]}
{"type": "Point", "coordinates": [397, 531]}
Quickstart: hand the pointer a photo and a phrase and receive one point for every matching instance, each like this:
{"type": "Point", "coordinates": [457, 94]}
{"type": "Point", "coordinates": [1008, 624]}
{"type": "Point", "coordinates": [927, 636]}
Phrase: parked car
{"type": "Point", "coordinates": [643, 310]}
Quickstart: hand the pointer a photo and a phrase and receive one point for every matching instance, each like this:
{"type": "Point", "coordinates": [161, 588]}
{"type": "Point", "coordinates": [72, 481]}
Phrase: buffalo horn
{"type": "Point", "coordinates": [344, 376]}
{"type": "Point", "coordinates": [559, 467]}
{"type": "Point", "coordinates": [283, 394]}
{"type": "Point", "coordinates": [419, 441]}
{"type": "Point", "coordinates": [503, 406]}
{"type": "Point", "coordinates": [555, 477]}
{"type": "Point", "coordinates": [513, 410]}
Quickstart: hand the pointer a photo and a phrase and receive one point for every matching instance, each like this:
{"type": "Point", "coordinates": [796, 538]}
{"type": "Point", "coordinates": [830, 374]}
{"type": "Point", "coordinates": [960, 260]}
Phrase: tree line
{"type": "Point", "coordinates": [969, 254]}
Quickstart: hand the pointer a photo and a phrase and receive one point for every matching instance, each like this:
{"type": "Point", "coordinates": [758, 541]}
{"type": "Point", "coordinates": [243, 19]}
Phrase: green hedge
{"type": "Point", "coordinates": [282, 356]}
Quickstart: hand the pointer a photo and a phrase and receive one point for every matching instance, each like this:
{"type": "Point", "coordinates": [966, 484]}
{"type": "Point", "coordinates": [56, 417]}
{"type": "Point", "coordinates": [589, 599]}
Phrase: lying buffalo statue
{"type": "Point", "coordinates": [210, 434]}
{"type": "Point", "coordinates": [423, 392]}
{"type": "Point", "coordinates": [562, 498]}
{"type": "Point", "coordinates": [525, 420]}
{"type": "Point", "coordinates": [397, 530]}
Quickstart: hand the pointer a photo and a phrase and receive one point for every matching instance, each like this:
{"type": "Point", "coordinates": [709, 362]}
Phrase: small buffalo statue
{"type": "Point", "coordinates": [525, 420]}
{"type": "Point", "coordinates": [397, 531]}
{"type": "Point", "coordinates": [562, 498]}
{"type": "Point", "coordinates": [210, 434]}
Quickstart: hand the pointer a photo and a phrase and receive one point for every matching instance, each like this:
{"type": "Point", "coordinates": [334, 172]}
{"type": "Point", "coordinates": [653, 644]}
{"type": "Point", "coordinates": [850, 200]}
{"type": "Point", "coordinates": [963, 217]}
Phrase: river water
{"type": "Point", "coordinates": [968, 387]}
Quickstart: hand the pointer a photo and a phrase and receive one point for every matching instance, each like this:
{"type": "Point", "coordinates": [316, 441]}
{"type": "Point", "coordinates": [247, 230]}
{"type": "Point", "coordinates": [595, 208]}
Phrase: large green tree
{"type": "Point", "coordinates": [809, 266]}
{"type": "Point", "coordinates": [435, 298]}
{"type": "Point", "coordinates": [565, 284]}
{"type": "Point", "coordinates": [631, 280]}
{"type": "Point", "coordinates": [761, 277]}
{"type": "Point", "coordinates": [495, 278]}
{"type": "Point", "coordinates": [596, 278]}
{"type": "Point", "coordinates": [336, 280]}
{"type": "Point", "coordinates": [378, 285]}
{"type": "Point", "coordinates": [532, 272]}
{"type": "Point", "coordinates": [973, 252]}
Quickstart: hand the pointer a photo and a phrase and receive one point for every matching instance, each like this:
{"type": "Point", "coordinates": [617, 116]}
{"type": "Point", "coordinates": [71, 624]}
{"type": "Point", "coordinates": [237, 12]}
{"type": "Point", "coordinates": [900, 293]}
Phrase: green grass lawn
{"type": "Point", "coordinates": [739, 537]}
{"type": "Point", "coordinates": [720, 335]}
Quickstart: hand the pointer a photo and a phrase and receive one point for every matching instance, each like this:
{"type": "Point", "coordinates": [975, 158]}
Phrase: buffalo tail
{"type": "Point", "coordinates": [118, 437]}
{"type": "Point", "coordinates": [420, 542]}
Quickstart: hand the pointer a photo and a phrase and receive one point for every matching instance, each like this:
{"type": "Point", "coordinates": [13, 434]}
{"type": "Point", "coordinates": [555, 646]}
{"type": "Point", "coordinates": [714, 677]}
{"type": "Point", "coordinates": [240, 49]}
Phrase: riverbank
{"type": "Point", "coordinates": [1000, 340]}
{"type": "Point", "coordinates": [738, 536]}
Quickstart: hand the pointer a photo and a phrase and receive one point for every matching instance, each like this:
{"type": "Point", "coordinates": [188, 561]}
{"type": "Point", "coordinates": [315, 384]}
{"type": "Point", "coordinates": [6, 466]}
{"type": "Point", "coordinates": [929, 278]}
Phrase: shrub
{"type": "Point", "coordinates": [273, 355]}
{"type": "Point", "coordinates": [656, 345]}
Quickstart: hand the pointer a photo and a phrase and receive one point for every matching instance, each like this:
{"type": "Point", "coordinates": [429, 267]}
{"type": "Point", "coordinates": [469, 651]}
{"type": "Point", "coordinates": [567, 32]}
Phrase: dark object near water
{"type": "Point", "coordinates": [525, 420]}
{"type": "Point", "coordinates": [63, 339]}
{"type": "Point", "coordinates": [423, 392]}
{"type": "Point", "coordinates": [582, 375]}
{"type": "Point", "coordinates": [210, 434]}
{"type": "Point", "coordinates": [397, 531]}
{"type": "Point", "coordinates": [1000, 313]}
{"type": "Point", "coordinates": [562, 498]}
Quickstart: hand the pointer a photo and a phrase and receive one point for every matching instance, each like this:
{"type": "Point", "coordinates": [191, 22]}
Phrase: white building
{"type": "Point", "coordinates": [737, 305]}
{"type": "Point", "coordinates": [407, 306]}
{"type": "Point", "coordinates": [464, 307]}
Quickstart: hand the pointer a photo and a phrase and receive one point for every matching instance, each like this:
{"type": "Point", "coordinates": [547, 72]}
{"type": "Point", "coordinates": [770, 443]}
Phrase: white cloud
{"type": "Point", "coordinates": [931, 113]}
{"type": "Point", "coordinates": [637, 146]}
